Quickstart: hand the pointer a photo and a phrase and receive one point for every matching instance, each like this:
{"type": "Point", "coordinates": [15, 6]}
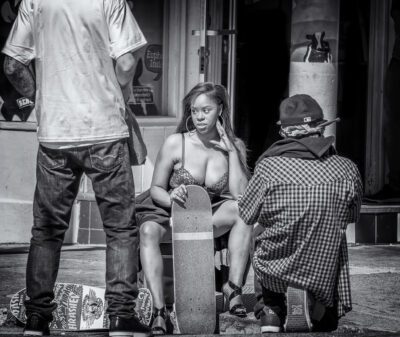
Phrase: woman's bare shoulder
{"type": "Point", "coordinates": [173, 141]}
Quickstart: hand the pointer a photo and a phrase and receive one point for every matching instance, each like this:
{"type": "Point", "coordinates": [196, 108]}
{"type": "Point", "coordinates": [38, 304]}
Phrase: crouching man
{"type": "Point", "coordinates": [304, 195]}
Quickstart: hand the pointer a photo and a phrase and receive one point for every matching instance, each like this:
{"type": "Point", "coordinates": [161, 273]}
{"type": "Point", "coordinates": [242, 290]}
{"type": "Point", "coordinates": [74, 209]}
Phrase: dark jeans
{"type": "Point", "coordinates": [392, 122]}
{"type": "Point", "coordinates": [265, 297]}
{"type": "Point", "coordinates": [58, 176]}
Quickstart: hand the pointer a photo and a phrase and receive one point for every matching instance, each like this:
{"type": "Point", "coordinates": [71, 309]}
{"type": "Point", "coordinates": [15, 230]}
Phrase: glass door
{"type": "Point", "coordinates": [217, 48]}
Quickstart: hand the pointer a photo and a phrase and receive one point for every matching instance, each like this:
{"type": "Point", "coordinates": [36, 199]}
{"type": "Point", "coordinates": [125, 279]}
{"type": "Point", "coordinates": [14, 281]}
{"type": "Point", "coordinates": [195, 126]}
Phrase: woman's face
{"type": "Point", "coordinates": [204, 111]}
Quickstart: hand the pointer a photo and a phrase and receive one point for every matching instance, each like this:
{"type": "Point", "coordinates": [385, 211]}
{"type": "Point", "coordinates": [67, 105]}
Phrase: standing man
{"type": "Point", "coordinates": [304, 195]}
{"type": "Point", "coordinates": [81, 129]}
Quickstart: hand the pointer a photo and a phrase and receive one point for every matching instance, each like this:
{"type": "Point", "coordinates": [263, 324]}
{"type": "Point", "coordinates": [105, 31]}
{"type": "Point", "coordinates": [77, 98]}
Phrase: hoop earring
{"type": "Point", "coordinates": [187, 127]}
{"type": "Point", "coordinates": [221, 120]}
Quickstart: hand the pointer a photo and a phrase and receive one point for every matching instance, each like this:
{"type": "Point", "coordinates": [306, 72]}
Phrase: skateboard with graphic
{"type": "Point", "coordinates": [81, 307]}
{"type": "Point", "coordinates": [193, 263]}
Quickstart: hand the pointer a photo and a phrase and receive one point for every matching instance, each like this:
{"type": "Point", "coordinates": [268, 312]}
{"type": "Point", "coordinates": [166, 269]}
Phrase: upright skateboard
{"type": "Point", "coordinates": [81, 307]}
{"type": "Point", "coordinates": [193, 263]}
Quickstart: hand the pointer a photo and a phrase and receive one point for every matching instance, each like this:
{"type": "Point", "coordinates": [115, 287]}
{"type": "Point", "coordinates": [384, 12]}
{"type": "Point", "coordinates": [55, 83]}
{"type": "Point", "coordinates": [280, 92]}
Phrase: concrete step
{"type": "Point", "coordinates": [378, 224]}
{"type": "Point", "coordinates": [375, 209]}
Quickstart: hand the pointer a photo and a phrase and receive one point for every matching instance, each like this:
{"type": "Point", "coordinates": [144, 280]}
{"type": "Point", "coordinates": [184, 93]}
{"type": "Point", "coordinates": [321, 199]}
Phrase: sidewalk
{"type": "Point", "coordinates": [375, 281]}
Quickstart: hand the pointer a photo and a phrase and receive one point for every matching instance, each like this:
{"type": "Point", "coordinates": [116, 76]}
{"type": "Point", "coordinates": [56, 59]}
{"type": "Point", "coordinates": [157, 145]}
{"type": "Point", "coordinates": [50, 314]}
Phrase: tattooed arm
{"type": "Point", "coordinates": [20, 76]}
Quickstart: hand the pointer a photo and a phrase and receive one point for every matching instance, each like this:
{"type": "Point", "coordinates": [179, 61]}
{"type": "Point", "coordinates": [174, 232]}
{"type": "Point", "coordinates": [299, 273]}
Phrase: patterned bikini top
{"type": "Point", "coordinates": [181, 175]}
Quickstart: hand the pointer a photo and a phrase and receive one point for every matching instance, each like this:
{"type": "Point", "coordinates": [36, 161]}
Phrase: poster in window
{"type": "Point", "coordinates": [146, 92]}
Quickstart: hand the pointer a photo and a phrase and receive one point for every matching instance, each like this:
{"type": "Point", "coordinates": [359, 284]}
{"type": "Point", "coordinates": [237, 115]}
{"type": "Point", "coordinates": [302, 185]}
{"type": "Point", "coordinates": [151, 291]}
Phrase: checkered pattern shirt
{"type": "Point", "coordinates": [305, 207]}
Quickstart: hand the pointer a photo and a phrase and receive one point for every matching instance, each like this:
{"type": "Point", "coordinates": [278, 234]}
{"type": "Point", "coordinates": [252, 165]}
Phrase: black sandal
{"type": "Point", "coordinates": [161, 322]}
{"type": "Point", "coordinates": [233, 297]}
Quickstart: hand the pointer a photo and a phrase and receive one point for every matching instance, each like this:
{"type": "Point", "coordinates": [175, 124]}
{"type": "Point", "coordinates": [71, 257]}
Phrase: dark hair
{"type": "Point", "coordinates": [219, 94]}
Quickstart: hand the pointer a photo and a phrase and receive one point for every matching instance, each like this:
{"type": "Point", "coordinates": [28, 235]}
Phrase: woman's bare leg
{"type": "Point", "coordinates": [225, 218]}
{"type": "Point", "coordinates": [151, 234]}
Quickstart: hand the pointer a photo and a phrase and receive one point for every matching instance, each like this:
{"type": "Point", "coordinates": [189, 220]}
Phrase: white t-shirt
{"type": "Point", "coordinates": [73, 43]}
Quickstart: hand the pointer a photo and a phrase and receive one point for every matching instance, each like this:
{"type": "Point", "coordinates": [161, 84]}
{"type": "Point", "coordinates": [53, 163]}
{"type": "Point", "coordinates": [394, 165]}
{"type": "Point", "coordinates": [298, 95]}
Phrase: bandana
{"type": "Point", "coordinates": [304, 148]}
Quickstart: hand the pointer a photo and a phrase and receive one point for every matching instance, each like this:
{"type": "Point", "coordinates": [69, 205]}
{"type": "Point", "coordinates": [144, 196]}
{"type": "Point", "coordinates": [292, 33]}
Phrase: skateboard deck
{"type": "Point", "coordinates": [81, 307]}
{"type": "Point", "coordinates": [193, 263]}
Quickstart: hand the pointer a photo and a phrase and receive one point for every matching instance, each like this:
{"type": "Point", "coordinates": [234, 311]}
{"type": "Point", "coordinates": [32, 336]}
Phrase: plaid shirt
{"type": "Point", "coordinates": [305, 207]}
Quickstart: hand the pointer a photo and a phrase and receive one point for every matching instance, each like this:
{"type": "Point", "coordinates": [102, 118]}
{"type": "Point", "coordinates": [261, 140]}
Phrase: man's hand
{"type": "Point", "coordinates": [126, 92]}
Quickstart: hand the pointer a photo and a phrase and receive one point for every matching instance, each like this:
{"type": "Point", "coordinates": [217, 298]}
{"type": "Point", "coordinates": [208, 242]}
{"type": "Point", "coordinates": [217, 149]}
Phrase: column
{"type": "Point", "coordinates": [309, 74]}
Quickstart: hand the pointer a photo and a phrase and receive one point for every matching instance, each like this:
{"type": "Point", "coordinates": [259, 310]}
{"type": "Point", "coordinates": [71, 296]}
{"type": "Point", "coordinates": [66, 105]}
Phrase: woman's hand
{"type": "Point", "coordinates": [224, 143]}
{"type": "Point", "coordinates": [179, 194]}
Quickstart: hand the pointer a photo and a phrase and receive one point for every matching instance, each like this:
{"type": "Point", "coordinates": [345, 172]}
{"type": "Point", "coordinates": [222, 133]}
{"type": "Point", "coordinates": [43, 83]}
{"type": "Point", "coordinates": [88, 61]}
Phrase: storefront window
{"type": "Point", "coordinates": [146, 95]}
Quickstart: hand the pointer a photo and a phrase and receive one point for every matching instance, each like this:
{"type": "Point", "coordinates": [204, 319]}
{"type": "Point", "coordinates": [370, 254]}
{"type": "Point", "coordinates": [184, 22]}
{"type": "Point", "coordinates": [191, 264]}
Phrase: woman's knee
{"type": "Point", "coordinates": [150, 231]}
{"type": "Point", "coordinates": [233, 209]}
{"type": "Point", "coordinates": [227, 215]}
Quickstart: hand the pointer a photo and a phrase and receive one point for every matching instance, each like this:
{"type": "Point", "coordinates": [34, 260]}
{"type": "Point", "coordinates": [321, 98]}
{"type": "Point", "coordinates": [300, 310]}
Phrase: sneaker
{"type": "Point", "coordinates": [270, 321]}
{"type": "Point", "coordinates": [329, 322]}
{"type": "Point", "coordinates": [298, 315]}
{"type": "Point", "coordinates": [121, 327]}
{"type": "Point", "coordinates": [36, 326]}
{"type": "Point", "coordinates": [161, 322]}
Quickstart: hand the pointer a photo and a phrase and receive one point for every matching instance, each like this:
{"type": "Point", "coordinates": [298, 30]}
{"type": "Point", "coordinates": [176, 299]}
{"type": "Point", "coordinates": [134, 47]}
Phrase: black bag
{"type": "Point", "coordinates": [136, 145]}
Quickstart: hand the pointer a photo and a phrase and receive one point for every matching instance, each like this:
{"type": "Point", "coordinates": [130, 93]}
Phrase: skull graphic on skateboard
{"type": "Point", "coordinates": [81, 307]}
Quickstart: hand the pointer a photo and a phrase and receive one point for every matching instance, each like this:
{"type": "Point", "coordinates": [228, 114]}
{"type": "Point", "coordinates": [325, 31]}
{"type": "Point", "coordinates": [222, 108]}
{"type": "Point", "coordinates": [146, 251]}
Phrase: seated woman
{"type": "Point", "coordinates": [204, 152]}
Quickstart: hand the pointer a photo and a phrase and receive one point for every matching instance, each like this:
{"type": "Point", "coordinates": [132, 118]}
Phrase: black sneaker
{"type": "Point", "coordinates": [36, 326]}
{"type": "Point", "coordinates": [329, 321]}
{"type": "Point", "coordinates": [121, 327]}
{"type": "Point", "coordinates": [270, 321]}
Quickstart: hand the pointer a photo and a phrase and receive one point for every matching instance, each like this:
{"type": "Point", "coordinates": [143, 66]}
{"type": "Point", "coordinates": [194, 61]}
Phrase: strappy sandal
{"type": "Point", "coordinates": [233, 298]}
{"type": "Point", "coordinates": [161, 322]}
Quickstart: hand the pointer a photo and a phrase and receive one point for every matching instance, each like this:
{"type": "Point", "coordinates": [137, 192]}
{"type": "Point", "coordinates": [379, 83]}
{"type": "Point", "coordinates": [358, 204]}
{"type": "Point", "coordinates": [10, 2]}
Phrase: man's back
{"type": "Point", "coordinates": [72, 50]}
{"type": "Point", "coordinates": [301, 190]}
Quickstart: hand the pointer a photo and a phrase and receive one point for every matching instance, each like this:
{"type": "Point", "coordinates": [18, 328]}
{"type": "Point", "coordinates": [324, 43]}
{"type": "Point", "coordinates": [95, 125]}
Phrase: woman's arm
{"type": "Point", "coordinates": [237, 176]}
{"type": "Point", "coordinates": [163, 169]}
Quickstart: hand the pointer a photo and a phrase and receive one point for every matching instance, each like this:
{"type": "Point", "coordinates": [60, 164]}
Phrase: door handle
{"type": "Point", "coordinates": [216, 32]}
{"type": "Point", "coordinates": [203, 55]}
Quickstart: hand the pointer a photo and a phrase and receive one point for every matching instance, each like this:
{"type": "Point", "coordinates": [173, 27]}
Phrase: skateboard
{"type": "Point", "coordinates": [81, 307]}
{"type": "Point", "coordinates": [193, 264]}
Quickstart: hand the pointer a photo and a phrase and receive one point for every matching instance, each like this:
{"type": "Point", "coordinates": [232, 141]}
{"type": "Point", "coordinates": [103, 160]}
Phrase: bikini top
{"type": "Point", "coordinates": [182, 176]}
